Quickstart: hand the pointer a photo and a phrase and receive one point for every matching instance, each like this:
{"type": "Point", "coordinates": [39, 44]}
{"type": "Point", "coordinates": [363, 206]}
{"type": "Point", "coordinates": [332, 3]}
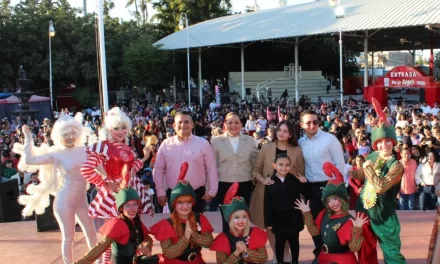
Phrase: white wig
{"type": "Point", "coordinates": [115, 117]}
{"type": "Point", "coordinates": [65, 122]}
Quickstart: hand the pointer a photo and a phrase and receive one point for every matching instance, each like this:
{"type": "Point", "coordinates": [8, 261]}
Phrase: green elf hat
{"type": "Point", "coordinates": [183, 187]}
{"type": "Point", "coordinates": [336, 185]}
{"type": "Point", "coordinates": [126, 195]}
{"type": "Point", "coordinates": [383, 128]}
{"type": "Point", "coordinates": [233, 203]}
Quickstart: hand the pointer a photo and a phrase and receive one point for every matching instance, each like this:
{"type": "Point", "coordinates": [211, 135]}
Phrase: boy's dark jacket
{"type": "Point", "coordinates": [279, 205]}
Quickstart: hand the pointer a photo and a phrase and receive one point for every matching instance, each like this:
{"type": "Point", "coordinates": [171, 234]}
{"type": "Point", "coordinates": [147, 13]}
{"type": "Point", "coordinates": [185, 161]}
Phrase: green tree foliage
{"type": "Point", "coordinates": [168, 12]}
{"type": "Point", "coordinates": [147, 65]}
{"type": "Point", "coordinates": [437, 59]}
{"type": "Point", "coordinates": [24, 40]}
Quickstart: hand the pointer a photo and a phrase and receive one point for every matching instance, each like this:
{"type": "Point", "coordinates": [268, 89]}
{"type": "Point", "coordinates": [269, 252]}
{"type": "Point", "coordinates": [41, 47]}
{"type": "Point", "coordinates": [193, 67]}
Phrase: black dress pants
{"type": "Point", "coordinates": [316, 206]}
{"type": "Point", "coordinates": [280, 243]}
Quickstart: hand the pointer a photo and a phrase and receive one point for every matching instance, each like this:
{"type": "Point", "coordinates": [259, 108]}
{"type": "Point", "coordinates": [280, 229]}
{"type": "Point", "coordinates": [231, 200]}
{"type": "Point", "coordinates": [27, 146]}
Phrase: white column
{"type": "Point", "coordinates": [341, 77]}
{"type": "Point", "coordinates": [187, 60]}
{"type": "Point", "coordinates": [200, 77]}
{"type": "Point", "coordinates": [296, 72]}
{"type": "Point", "coordinates": [103, 65]}
{"type": "Point", "coordinates": [243, 90]}
{"type": "Point", "coordinates": [50, 72]}
{"type": "Point", "coordinates": [366, 59]}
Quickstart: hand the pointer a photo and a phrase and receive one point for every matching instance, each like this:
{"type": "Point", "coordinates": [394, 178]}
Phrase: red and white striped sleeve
{"type": "Point", "coordinates": [97, 154]}
{"type": "Point", "coordinates": [137, 165]}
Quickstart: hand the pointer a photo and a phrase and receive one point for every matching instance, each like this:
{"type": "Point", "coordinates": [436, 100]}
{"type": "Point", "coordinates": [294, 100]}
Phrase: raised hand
{"type": "Point", "coordinates": [242, 246]}
{"type": "Point", "coordinates": [360, 220]}
{"type": "Point", "coordinates": [147, 151]}
{"type": "Point", "coordinates": [301, 178]}
{"type": "Point", "coordinates": [301, 205]}
{"type": "Point", "coordinates": [25, 129]}
{"type": "Point", "coordinates": [238, 248]}
{"type": "Point", "coordinates": [368, 163]}
{"type": "Point", "coordinates": [188, 230]}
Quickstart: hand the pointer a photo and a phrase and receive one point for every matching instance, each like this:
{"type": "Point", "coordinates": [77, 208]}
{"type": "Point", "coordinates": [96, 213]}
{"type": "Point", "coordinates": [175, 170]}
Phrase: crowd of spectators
{"type": "Point", "coordinates": [417, 127]}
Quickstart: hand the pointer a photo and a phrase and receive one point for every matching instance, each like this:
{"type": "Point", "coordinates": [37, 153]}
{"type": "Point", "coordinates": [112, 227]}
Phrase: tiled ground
{"type": "Point", "coordinates": [20, 242]}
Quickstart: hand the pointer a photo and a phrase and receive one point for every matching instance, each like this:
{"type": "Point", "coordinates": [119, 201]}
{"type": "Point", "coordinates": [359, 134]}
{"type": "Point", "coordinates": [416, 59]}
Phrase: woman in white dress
{"type": "Point", "coordinates": [60, 175]}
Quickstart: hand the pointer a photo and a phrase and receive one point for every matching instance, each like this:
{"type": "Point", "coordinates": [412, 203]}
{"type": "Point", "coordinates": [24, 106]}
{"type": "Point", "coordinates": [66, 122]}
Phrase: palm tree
{"type": "Point", "coordinates": [130, 3]}
{"type": "Point", "coordinates": [144, 9]}
{"type": "Point", "coordinates": [108, 5]}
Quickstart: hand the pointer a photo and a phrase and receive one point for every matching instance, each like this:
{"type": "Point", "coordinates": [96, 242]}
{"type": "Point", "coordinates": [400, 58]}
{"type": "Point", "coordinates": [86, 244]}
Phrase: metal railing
{"type": "Point", "coordinates": [289, 74]}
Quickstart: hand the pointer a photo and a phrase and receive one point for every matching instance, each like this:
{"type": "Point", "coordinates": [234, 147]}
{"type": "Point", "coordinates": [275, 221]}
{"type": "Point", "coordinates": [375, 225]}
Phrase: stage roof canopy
{"type": "Point", "coordinates": [391, 24]}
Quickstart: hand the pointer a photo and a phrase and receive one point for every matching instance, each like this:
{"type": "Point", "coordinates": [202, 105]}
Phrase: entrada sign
{"type": "Point", "coordinates": [411, 74]}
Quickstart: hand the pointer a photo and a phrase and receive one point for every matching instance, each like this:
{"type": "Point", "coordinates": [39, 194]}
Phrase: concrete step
{"type": "Point", "coordinates": [272, 74]}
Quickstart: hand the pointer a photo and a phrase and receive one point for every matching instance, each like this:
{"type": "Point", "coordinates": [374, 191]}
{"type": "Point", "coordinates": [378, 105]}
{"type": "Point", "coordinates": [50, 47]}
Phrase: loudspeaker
{"type": "Point", "coordinates": [47, 221]}
{"type": "Point", "coordinates": [10, 210]}
{"type": "Point", "coordinates": [248, 91]}
{"type": "Point", "coordinates": [422, 95]}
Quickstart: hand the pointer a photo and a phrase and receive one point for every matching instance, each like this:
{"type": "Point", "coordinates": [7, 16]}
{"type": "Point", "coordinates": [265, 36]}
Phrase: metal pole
{"type": "Point", "coordinates": [372, 67]}
{"type": "Point", "coordinates": [366, 59]}
{"type": "Point", "coordinates": [103, 64]}
{"type": "Point", "coordinates": [85, 7]}
{"type": "Point", "coordinates": [296, 72]}
{"type": "Point", "coordinates": [174, 78]}
{"type": "Point", "coordinates": [200, 77]}
{"type": "Point", "coordinates": [431, 56]}
{"type": "Point", "coordinates": [341, 80]}
{"type": "Point", "coordinates": [50, 71]}
{"type": "Point", "coordinates": [243, 93]}
{"type": "Point", "coordinates": [187, 53]}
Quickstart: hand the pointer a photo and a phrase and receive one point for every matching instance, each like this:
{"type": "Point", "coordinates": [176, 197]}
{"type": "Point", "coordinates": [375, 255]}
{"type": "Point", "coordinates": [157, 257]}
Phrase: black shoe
{"type": "Point", "coordinates": [287, 262]}
{"type": "Point", "coordinates": [315, 261]}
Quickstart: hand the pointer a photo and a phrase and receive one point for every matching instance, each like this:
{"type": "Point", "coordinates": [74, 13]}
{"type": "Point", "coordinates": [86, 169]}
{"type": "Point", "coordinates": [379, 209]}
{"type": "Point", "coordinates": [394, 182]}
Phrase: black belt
{"type": "Point", "coordinates": [189, 256]}
{"type": "Point", "coordinates": [321, 183]}
{"type": "Point", "coordinates": [326, 249]}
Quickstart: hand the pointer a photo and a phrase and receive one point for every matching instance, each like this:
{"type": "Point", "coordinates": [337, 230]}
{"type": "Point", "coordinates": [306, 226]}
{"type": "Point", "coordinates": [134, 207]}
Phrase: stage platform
{"type": "Point", "coordinates": [20, 243]}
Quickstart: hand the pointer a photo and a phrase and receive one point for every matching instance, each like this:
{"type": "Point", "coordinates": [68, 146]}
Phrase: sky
{"type": "Point", "coordinates": [125, 13]}
{"type": "Point", "coordinates": [237, 6]}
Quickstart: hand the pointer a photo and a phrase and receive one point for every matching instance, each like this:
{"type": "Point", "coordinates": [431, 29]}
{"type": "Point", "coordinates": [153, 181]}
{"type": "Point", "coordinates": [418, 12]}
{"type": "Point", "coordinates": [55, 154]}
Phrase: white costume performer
{"type": "Point", "coordinates": [59, 171]}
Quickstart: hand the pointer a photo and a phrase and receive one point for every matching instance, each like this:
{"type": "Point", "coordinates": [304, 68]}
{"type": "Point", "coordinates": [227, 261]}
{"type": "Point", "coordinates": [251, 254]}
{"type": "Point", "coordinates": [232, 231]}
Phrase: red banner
{"type": "Point", "coordinates": [406, 77]}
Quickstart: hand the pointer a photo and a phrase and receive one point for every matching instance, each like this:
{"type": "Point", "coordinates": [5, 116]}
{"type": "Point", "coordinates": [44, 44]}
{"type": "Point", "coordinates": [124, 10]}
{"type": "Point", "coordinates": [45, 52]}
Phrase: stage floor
{"type": "Point", "coordinates": [20, 242]}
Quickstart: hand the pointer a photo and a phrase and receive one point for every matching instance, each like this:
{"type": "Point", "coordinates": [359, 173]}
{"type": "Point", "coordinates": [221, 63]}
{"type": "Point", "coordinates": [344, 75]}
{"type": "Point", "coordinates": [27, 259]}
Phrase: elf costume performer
{"type": "Point", "coordinates": [382, 173]}
{"type": "Point", "coordinates": [242, 243]}
{"type": "Point", "coordinates": [126, 235]}
{"type": "Point", "coordinates": [183, 235]}
{"type": "Point", "coordinates": [434, 242]}
{"type": "Point", "coordinates": [341, 233]}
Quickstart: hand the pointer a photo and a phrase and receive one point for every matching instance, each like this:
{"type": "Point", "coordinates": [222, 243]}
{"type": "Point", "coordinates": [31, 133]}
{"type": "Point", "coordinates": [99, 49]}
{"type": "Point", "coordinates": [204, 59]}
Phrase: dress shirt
{"type": "Point", "coordinates": [234, 142]}
{"type": "Point", "coordinates": [197, 152]}
{"type": "Point", "coordinates": [408, 185]}
{"type": "Point", "coordinates": [425, 175]}
{"type": "Point", "coordinates": [321, 148]}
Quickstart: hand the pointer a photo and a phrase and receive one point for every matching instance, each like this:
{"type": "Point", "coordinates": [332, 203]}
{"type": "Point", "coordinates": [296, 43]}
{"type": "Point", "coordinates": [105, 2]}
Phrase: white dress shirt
{"type": "Point", "coordinates": [425, 175]}
{"type": "Point", "coordinates": [321, 148]}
